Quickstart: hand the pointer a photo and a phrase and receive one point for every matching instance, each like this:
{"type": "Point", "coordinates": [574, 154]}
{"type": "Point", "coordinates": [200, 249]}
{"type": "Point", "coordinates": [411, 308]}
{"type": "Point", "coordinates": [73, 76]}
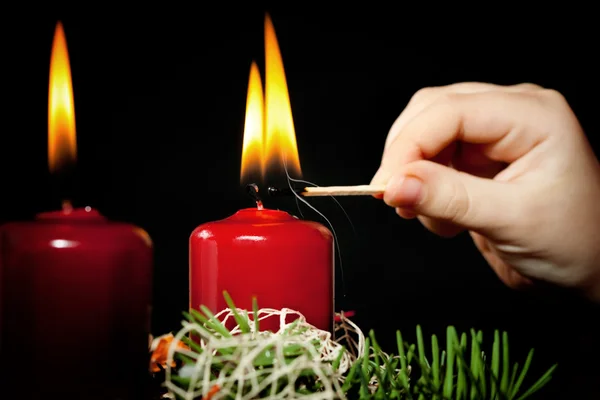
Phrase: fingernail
{"type": "Point", "coordinates": [404, 192]}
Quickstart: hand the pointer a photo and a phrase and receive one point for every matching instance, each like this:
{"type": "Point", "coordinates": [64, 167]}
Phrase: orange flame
{"type": "Point", "coordinates": [62, 146]}
{"type": "Point", "coordinates": [280, 132]}
{"type": "Point", "coordinates": [252, 148]}
{"type": "Point", "coordinates": [269, 134]}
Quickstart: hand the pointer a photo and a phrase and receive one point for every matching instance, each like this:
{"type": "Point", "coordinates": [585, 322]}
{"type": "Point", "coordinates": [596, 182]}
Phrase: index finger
{"type": "Point", "coordinates": [426, 96]}
{"type": "Point", "coordinates": [507, 123]}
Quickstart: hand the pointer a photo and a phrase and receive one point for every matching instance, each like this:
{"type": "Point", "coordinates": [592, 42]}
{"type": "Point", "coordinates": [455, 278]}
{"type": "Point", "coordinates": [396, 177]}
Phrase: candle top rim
{"type": "Point", "coordinates": [83, 214]}
{"type": "Point", "coordinates": [265, 214]}
{"type": "Point", "coordinates": [249, 219]}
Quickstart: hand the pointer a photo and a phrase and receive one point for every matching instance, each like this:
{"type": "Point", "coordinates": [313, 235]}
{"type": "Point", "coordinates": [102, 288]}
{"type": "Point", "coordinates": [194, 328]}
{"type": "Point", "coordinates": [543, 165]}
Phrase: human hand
{"type": "Point", "coordinates": [511, 165]}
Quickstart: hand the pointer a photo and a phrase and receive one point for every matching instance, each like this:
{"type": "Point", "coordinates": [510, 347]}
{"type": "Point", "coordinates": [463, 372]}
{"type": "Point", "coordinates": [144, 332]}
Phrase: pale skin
{"type": "Point", "coordinates": [509, 164]}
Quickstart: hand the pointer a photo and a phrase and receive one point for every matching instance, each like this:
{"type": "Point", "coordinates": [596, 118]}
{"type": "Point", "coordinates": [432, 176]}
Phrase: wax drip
{"type": "Point", "coordinates": [252, 189]}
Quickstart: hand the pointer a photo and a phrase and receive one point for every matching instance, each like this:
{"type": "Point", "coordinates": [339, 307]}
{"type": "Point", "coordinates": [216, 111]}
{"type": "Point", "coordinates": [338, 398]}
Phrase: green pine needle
{"type": "Point", "coordinates": [458, 371]}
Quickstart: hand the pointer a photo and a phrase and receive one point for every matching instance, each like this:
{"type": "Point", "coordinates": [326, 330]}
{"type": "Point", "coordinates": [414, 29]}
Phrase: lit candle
{"type": "Point", "coordinates": [268, 254]}
{"type": "Point", "coordinates": [75, 288]}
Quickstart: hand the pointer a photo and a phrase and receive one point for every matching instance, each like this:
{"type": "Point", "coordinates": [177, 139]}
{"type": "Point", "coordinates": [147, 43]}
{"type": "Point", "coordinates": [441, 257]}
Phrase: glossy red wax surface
{"type": "Point", "coordinates": [269, 254]}
{"type": "Point", "coordinates": [75, 293]}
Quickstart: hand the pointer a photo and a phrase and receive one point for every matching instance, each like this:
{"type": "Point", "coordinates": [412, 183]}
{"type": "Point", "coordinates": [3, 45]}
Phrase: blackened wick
{"type": "Point", "coordinates": [252, 189]}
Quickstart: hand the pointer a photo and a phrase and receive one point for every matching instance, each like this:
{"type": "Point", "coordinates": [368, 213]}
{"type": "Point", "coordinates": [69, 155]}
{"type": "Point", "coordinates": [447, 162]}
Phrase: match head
{"type": "Point", "coordinates": [278, 192]}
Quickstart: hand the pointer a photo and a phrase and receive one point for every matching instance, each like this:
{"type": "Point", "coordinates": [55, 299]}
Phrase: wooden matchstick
{"type": "Point", "coordinates": [360, 190]}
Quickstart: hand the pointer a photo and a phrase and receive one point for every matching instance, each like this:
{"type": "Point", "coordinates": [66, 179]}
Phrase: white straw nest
{"type": "Point", "coordinates": [246, 377]}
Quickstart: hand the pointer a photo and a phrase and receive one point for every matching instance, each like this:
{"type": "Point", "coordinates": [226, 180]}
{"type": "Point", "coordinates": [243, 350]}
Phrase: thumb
{"type": "Point", "coordinates": [432, 190]}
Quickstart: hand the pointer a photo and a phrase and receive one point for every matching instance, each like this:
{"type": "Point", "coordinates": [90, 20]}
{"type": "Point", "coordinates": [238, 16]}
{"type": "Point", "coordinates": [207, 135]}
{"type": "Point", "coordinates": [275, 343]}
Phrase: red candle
{"type": "Point", "coordinates": [76, 295]}
{"type": "Point", "coordinates": [75, 288]}
{"type": "Point", "coordinates": [268, 254]}
{"type": "Point", "coordinates": [282, 261]}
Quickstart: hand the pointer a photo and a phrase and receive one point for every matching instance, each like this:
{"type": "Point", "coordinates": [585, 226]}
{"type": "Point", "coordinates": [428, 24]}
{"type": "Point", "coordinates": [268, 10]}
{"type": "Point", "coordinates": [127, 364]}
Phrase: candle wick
{"type": "Point", "coordinates": [67, 207]}
{"type": "Point", "coordinates": [252, 190]}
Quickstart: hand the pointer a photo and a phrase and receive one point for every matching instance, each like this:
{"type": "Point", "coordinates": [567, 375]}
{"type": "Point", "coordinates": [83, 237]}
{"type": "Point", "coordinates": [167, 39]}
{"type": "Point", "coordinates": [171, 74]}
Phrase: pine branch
{"type": "Point", "coordinates": [451, 375]}
{"type": "Point", "coordinates": [458, 370]}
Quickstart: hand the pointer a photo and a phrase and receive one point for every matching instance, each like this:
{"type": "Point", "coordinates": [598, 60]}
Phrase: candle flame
{"type": "Point", "coordinates": [280, 132]}
{"type": "Point", "coordinates": [269, 134]}
{"type": "Point", "coordinates": [252, 148]}
{"type": "Point", "coordinates": [62, 146]}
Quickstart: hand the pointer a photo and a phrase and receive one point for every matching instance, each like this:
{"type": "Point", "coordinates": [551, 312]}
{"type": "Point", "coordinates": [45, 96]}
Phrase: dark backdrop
{"type": "Point", "coordinates": [160, 101]}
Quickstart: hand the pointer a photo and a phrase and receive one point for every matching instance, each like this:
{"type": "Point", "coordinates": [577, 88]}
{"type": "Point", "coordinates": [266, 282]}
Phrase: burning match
{"type": "Point", "coordinates": [360, 190]}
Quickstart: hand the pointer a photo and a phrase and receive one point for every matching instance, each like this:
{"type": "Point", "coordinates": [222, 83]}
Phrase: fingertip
{"type": "Point", "coordinates": [381, 177]}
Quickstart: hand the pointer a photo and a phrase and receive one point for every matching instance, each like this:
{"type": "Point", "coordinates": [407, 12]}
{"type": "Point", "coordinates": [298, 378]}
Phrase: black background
{"type": "Point", "coordinates": [160, 101]}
